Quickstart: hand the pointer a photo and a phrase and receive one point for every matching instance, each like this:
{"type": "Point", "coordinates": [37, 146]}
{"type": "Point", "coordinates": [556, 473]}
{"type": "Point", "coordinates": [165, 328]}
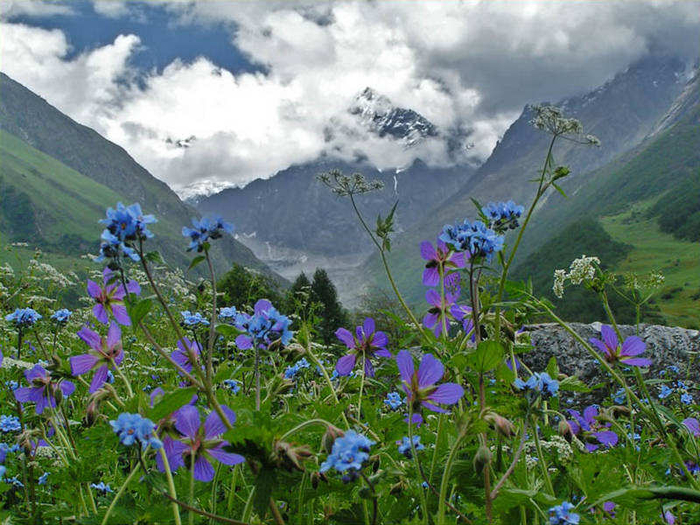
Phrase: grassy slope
{"type": "Point", "coordinates": [679, 261]}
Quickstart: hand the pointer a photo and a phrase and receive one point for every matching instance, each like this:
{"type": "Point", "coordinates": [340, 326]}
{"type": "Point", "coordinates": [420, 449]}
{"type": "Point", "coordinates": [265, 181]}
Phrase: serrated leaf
{"type": "Point", "coordinates": [170, 403]}
{"type": "Point", "coordinates": [154, 257]}
{"type": "Point", "coordinates": [553, 368]}
{"type": "Point", "coordinates": [573, 384]}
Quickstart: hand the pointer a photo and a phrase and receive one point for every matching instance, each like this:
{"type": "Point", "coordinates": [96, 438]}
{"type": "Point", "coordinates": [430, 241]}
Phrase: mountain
{"type": "Point", "coordinates": [294, 223]}
{"type": "Point", "coordinates": [621, 113]}
{"type": "Point", "coordinates": [649, 199]}
{"type": "Point", "coordinates": [57, 178]}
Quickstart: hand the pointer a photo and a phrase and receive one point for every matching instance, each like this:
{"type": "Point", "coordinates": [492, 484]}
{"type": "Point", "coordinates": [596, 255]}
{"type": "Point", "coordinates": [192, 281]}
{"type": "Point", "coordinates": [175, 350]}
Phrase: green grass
{"type": "Point", "coordinates": [652, 249]}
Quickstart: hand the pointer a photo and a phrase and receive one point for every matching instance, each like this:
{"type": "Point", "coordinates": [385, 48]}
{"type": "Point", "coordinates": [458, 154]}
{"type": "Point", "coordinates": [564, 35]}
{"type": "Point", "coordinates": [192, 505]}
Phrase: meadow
{"type": "Point", "coordinates": [153, 402]}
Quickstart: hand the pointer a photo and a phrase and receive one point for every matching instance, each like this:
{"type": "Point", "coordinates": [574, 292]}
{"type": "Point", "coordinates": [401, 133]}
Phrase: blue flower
{"type": "Point", "coordinates": [302, 363]}
{"type": "Point", "coordinates": [291, 372]}
{"type": "Point", "coordinates": [12, 384]}
{"type": "Point", "coordinates": [233, 385]}
{"type": "Point", "coordinates": [264, 327]}
{"type": "Point", "coordinates": [665, 392]}
{"type": "Point", "coordinates": [14, 481]}
{"type": "Point", "coordinates": [620, 396]}
{"type": "Point", "coordinates": [23, 317]}
{"type": "Point", "coordinates": [540, 383]}
{"type": "Point", "coordinates": [62, 315]}
{"type": "Point", "coordinates": [113, 248]}
{"type": "Point", "coordinates": [405, 446]}
{"type": "Point", "coordinates": [193, 319]}
{"type": "Point", "coordinates": [9, 423]}
{"type": "Point", "coordinates": [205, 229]}
{"type": "Point", "coordinates": [101, 487]}
{"type": "Point", "coordinates": [562, 515]}
{"type": "Point", "coordinates": [348, 454]}
{"type": "Point", "coordinates": [128, 223]}
{"type": "Point", "coordinates": [393, 399]}
{"type": "Point", "coordinates": [133, 427]}
{"type": "Point", "coordinates": [476, 238]}
{"type": "Point", "coordinates": [42, 478]}
{"type": "Point", "coordinates": [686, 399]}
{"type": "Point", "coordinates": [228, 312]}
{"type": "Point", "coordinates": [502, 215]}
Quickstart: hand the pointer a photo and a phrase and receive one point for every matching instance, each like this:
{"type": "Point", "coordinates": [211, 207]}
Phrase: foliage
{"type": "Point", "coordinates": [161, 400]}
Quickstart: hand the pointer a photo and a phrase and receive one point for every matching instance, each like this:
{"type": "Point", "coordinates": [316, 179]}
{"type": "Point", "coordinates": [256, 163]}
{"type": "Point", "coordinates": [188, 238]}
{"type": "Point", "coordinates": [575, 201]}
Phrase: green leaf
{"type": "Point", "coordinates": [487, 356]}
{"type": "Point", "coordinates": [154, 257]}
{"type": "Point", "coordinates": [195, 262]}
{"type": "Point", "coordinates": [170, 403]}
{"type": "Point", "coordinates": [227, 330]}
{"type": "Point", "coordinates": [558, 188]}
{"type": "Point", "coordinates": [553, 368]}
{"type": "Point", "coordinates": [139, 311]}
{"type": "Point", "coordinates": [573, 384]}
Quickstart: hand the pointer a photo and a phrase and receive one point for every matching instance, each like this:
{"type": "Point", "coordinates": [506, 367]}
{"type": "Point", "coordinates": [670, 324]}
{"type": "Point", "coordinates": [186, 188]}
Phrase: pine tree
{"type": "Point", "coordinates": [298, 298]}
{"type": "Point", "coordinates": [331, 311]}
{"type": "Point", "coordinates": [242, 287]}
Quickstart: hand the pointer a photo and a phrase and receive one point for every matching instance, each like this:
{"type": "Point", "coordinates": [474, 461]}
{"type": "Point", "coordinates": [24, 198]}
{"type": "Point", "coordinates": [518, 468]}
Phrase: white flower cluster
{"type": "Point", "coordinates": [46, 272]}
{"type": "Point", "coordinates": [556, 445]}
{"type": "Point", "coordinates": [345, 185]}
{"type": "Point", "coordinates": [581, 269]}
{"type": "Point", "coordinates": [552, 119]}
{"type": "Point", "coordinates": [651, 281]}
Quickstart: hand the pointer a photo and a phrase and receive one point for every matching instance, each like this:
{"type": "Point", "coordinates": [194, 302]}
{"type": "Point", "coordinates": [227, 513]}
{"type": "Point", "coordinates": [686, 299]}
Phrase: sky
{"type": "Point", "coordinates": [211, 94]}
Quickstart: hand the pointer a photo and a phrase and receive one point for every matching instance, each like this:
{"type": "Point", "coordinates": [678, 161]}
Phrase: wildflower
{"type": "Point", "coordinates": [264, 327]}
{"type": "Point", "coordinates": [620, 396]}
{"type": "Point", "coordinates": [228, 313]}
{"type": "Point", "coordinates": [101, 487]}
{"type": "Point", "coordinates": [14, 481]}
{"type": "Point", "coordinates": [587, 424]}
{"type": "Point", "coordinates": [610, 347]}
{"type": "Point", "coordinates": [669, 517]}
{"type": "Point", "coordinates": [128, 223]}
{"type": "Point", "coordinates": [104, 353]}
{"type": "Point", "coordinates": [420, 386]}
{"type": "Point", "coordinates": [61, 316]}
{"type": "Point", "coordinates": [205, 229]}
{"type": "Point", "coordinates": [23, 317]}
{"type": "Point", "coordinates": [42, 390]}
{"type": "Point", "coordinates": [233, 385]}
{"type": "Point", "coordinates": [540, 383]}
{"type": "Point", "coordinates": [9, 423]}
{"type": "Point", "coordinates": [405, 446]}
{"type": "Point", "coordinates": [112, 247]}
{"type": "Point", "coordinates": [692, 425]}
{"type": "Point", "coordinates": [366, 343]}
{"type": "Point", "coordinates": [42, 479]}
{"type": "Point", "coordinates": [187, 354]}
{"type": "Point", "coordinates": [441, 260]}
{"type": "Point", "coordinates": [475, 238]}
{"type": "Point", "coordinates": [132, 428]}
{"type": "Point", "coordinates": [109, 298]}
{"type": "Point", "coordinates": [193, 319]}
{"type": "Point", "coordinates": [665, 392]}
{"type": "Point", "coordinates": [348, 454]}
{"type": "Point", "coordinates": [5, 449]}
{"type": "Point", "coordinates": [562, 515]}
{"type": "Point", "coordinates": [393, 399]}
{"type": "Point", "coordinates": [200, 443]}
{"type": "Point", "coordinates": [580, 270]}
{"type": "Point", "coordinates": [686, 398]}
{"type": "Point", "coordinates": [502, 216]}
{"type": "Point", "coordinates": [439, 311]}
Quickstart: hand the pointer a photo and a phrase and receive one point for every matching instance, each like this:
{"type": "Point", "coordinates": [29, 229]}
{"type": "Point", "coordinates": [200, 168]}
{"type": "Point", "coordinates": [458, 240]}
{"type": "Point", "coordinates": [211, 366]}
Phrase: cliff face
{"type": "Point", "coordinates": [665, 346]}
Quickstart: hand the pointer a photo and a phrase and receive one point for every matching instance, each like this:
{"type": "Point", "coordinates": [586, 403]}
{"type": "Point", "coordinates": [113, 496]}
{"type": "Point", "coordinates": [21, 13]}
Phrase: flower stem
{"type": "Point", "coordinates": [171, 484]}
{"type": "Point", "coordinates": [120, 492]}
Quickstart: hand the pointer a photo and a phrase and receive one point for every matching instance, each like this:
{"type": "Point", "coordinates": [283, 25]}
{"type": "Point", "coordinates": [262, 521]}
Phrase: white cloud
{"type": "Point", "coordinates": [10, 8]}
{"type": "Point", "coordinates": [460, 64]}
{"type": "Point", "coordinates": [111, 8]}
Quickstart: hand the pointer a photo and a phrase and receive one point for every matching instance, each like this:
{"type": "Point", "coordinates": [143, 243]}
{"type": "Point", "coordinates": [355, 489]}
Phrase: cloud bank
{"type": "Point", "coordinates": [463, 65]}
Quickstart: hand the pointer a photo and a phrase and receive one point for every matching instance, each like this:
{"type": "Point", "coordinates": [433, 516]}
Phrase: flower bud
{"type": "Point", "coordinates": [565, 430]}
{"type": "Point", "coordinates": [502, 425]}
{"type": "Point", "coordinates": [482, 459]}
{"type": "Point", "coordinates": [332, 433]}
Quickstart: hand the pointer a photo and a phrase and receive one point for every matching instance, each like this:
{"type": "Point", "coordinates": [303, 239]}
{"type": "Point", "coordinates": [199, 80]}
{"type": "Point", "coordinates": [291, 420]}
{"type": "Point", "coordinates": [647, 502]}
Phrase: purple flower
{"type": "Point", "coordinates": [42, 389]}
{"type": "Point", "coordinates": [588, 425]}
{"type": "Point", "coordinates": [609, 508]}
{"type": "Point", "coordinates": [692, 425]}
{"type": "Point", "coordinates": [366, 343]}
{"type": "Point", "coordinates": [200, 443]}
{"type": "Point", "coordinates": [440, 260]}
{"type": "Point", "coordinates": [187, 354]}
{"type": "Point", "coordinates": [110, 298]}
{"type": "Point", "coordinates": [265, 327]}
{"type": "Point", "coordinates": [610, 347]}
{"type": "Point", "coordinates": [669, 517]}
{"type": "Point", "coordinates": [439, 310]}
{"type": "Point", "coordinates": [420, 386]}
{"type": "Point", "coordinates": [104, 352]}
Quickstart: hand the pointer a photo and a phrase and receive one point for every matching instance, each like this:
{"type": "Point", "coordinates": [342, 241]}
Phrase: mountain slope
{"type": "Point", "coordinates": [64, 175]}
{"type": "Point", "coordinates": [621, 113]}
{"type": "Point", "coordinates": [648, 198]}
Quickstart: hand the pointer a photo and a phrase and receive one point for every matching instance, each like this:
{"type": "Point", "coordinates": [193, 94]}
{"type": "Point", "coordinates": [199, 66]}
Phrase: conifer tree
{"type": "Point", "coordinates": [330, 310]}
